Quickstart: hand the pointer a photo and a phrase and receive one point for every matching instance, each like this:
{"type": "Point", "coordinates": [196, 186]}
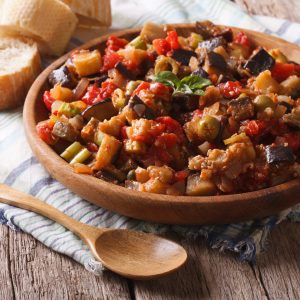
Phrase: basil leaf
{"type": "Point", "coordinates": [195, 82]}
{"type": "Point", "coordinates": [199, 92]}
{"type": "Point", "coordinates": [167, 78]}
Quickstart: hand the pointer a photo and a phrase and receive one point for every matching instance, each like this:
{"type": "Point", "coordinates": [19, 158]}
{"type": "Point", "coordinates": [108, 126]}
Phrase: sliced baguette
{"type": "Point", "coordinates": [91, 13]}
{"type": "Point", "coordinates": [19, 65]}
{"type": "Point", "coordinates": [49, 22]}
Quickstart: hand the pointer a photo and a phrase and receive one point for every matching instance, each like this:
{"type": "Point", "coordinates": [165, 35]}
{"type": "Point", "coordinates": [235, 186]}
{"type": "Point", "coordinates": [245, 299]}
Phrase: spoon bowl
{"type": "Point", "coordinates": [138, 255]}
{"type": "Point", "coordinates": [129, 253]}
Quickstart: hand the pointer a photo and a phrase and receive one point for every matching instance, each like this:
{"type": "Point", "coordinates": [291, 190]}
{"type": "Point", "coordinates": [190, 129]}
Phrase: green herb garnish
{"type": "Point", "coordinates": [189, 85]}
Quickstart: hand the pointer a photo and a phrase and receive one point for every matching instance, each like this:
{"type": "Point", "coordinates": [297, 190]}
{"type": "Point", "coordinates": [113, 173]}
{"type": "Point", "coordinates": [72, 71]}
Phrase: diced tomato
{"type": "Point", "coordinates": [170, 123]}
{"type": "Point", "coordinates": [159, 89]}
{"type": "Point", "coordinates": [142, 86]}
{"type": "Point", "coordinates": [293, 140]}
{"type": "Point", "coordinates": [157, 129]}
{"type": "Point", "coordinates": [162, 155]}
{"type": "Point", "coordinates": [114, 44]}
{"type": "Point", "coordinates": [142, 138]}
{"type": "Point", "coordinates": [92, 147]}
{"type": "Point", "coordinates": [95, 94]}
{"type": "Point", "coordinates": [130, 65]}
{"type": "Point", "coordinates": [161, 46]}
{"type": "Point", "coordinates": [166, 140]}
{"type": "Point", "coordinates": [181, 175]}
{"type": "Point", "coordinates": [230, 89]}
{"type": "Point", "coordinates": [44, 130]}
{"type": "Point", "coordinates": [48, 100]}
{"type": "Point", "coordinates": [282, 71]}
{"type": "Point", "coordinates": [242, 39]}
{"type": "Point", "coordinates": [255, 127]}
{"type": "Point", "coordinates": [172, 39]}
{"type": "Point", "coordinates": [124, 135]}
{"type": "Point", "coordinates": [110, 59]}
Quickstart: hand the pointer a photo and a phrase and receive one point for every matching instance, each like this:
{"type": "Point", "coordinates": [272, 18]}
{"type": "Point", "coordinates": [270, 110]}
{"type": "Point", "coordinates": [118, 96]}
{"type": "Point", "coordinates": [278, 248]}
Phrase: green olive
{"type": "Point", "coordinates": [209, 128]}
{"type": "Point", "coordinates": [261, 102]}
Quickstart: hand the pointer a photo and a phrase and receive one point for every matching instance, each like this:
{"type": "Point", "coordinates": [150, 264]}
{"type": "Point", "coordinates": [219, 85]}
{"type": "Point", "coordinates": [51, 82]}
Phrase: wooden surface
{"type": "Point", "coordinates": [152, 207]}
{"type": "Point", "coordinates": [28, 270]}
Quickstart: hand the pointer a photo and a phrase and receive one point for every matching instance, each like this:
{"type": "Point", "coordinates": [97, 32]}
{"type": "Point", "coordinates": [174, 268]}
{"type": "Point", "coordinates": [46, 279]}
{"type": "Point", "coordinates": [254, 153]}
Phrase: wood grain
{"type": "Point", "coordinates": [38, 273]}
{"type": "Point", "coordinates": [285, 9]}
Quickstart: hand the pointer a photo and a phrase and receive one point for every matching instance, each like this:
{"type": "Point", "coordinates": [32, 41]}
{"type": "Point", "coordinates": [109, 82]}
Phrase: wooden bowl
{"type": "Point", "coordinates": [155, 207]}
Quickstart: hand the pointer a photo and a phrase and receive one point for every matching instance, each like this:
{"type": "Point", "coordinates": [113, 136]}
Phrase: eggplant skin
{"type": "Point", "coordinates": [217, 61]}
{"type": "Point", "coordinates": [213, 43]}
{"type": "Point", "coordinates": [200, 72]}
{"type": "Point", "coordinates": [260, 62]}
{"type": "Point", "coordinates": [62, 76]}
{"type": "Point", "coordinates": [183, 56]}
{"type": "Point", "coordinates": [124, 71]}
{"type": "Point", "coordinates": [279, 154]}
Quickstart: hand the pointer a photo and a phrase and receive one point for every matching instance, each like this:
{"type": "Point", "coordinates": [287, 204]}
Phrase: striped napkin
{"type": "Point", "coordinates": [21, 170]}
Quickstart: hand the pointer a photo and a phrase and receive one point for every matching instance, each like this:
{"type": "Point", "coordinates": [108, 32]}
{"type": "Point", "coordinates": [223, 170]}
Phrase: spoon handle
{"type": "Point", "coordinates": [16, 198]}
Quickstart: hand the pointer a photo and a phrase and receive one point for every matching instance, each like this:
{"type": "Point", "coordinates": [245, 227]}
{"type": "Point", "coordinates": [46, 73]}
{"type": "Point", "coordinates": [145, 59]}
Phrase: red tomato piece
{"type": "Point", "coordinates": [124, 135]}
{"type": "Point", "coordinates": [172, 39]}
{"type": "Point", "coordinates": [170, 123]}
{"type": "Point", "coordinates": [44, 130]}
{"type": "Point", "coordinates": [282, 71]}
{"type": "Point", "coordinates": [95, 94]}
{"type": "Point", "coordinates": [242, 39]}
{"type": "Point", "coordinates": [181, 175]}
{"type": "Point", "coordinates": [230, 89]}
{"type": "Point", "coordinates": [142, 86]}
{"type": "Point", "coordinates": [198, 113]}
{"type": "Point", "coordinates": [48, 100]}
{"type": "Point", "coordinates": [255, 127]}
{"type": "Point", "coordinates": [166, 140]}
{"type": "Point", "coordinates": [114, 44]}
{"type": "Point", "coordinates": [110, 59]}
{"type": "Point", "coordinates": [161, 46]}
{"type": "Point", "coordinates": [159, 89]}
{"type": "Point", "coordinates": [107, 88]}
{"type": "Point", "coordinates": [157, 129]}
{"type": "Point", "coordinates": [293, 140]}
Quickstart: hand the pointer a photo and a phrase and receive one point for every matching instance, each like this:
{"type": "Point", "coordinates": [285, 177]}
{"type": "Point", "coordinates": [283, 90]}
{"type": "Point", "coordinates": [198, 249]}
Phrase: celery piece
{"type": "Point", "coordinates": [131, 86]}
{"type": "Point", "coordinates": [236, 138]}
{"type": "Point", "coordinates": [69, 110]}
{"type": "Point", "coordinates": [80, 157]}
{"type": "Point", "coordinates": [195, 39]}
{"type": "Point", "coordinates": [138, 43]}
{"type": "Point", "coordinates": [71, 151]}
{"type": "Point", "coordinates": [98, 138]}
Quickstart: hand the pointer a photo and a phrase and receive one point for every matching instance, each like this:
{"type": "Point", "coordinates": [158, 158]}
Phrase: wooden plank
{"type": "Point", "coordinates": [208, 274]}
{"type": "Point", "coordinates": [6, 290]}
{"type": "Point", "coordinates": [274, 8]}
{"type": "Point", "coordinates": [39, 273]}
{"type": "Point", "coordinates": [279, 268]}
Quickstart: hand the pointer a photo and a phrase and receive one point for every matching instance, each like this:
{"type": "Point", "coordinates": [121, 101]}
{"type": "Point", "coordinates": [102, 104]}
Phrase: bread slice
{"type": "Point", "coordinates": [50, 23]}
{"type": "Point", "coordinates": [19, 65]}
{"type": "Point", "coordinates": [91, 13]}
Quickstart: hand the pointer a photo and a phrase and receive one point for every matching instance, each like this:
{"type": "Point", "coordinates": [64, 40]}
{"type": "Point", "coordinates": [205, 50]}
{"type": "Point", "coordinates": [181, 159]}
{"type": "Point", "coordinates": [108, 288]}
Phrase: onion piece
{"type": "Point", "coordinates": [81, 88]}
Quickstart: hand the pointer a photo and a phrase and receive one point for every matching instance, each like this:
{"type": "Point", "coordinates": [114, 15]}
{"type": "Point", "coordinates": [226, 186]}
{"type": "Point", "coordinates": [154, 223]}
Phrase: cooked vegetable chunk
{"type": "Point", "coordinates": [279, 154]}
{"type": "Point", "coordinates": [259, 62]}
{"type": "Point", "coordinates": [87, 62]}
{"type": "Point", "coordinates": [103, 110]}
{"type": "Point", "coordinates": [183, 56]}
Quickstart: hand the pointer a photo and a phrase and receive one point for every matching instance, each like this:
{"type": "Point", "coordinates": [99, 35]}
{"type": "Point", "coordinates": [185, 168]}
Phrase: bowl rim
{"type": "Point", "coordinates": [46, 154]}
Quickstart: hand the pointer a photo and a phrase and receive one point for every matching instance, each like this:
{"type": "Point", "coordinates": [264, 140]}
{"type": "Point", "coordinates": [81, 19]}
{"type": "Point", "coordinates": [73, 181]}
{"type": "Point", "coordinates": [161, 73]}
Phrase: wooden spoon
{"type": "Point", "coordinates": [131, 254]}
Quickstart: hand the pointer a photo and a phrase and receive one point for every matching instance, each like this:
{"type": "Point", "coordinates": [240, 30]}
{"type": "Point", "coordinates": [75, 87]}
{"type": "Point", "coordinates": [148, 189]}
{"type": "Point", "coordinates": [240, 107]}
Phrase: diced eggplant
{"type": "Point", "coordinates": [103, 110]}
{"type": "Point", "coordinates": [207, 29]}
{"type": "Point", "coordinates": [115, 173]}
{"type": "Point", "coordinates": [124, 71]}
{"type": "Point", "coordinates": [241, 108]}
{"type": "Point", "coordinates": [259, 62]}
{"type": "Point", "coordinates": [81, 88]}
{"type": "Point", "coordinates": [186, 102]}
{"type": "Point", "coordinates": [216, 61]}
{"type": "Point", "coordinates": [140, 108]}
{"type": "Point", "coordinates": [279, 154]}
{"type": "Point", "coordinates": [65, 131]}
{"type": "Point", "coordinates": [64, 77]}
{"type": "Point", "coordinates": [197, 187]}
{"type": "Point", "coordinates": [200, 72]}
{"type": "Point", "coordinates": [213, 43]}
{"type": "Point", "coordinates": [183, 56]}
{"type": "Point", "coordinates": [106, 176]}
